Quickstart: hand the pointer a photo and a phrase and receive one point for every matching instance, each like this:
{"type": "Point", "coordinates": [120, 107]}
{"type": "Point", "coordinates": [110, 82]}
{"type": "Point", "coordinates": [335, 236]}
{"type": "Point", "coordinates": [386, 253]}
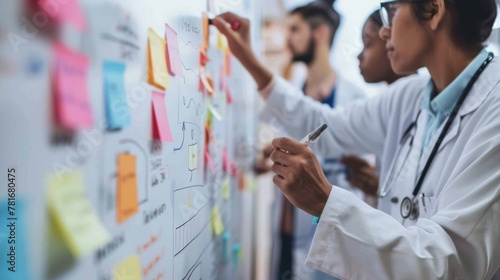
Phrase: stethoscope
{"type": "Point", "coordinates": [409, 206]}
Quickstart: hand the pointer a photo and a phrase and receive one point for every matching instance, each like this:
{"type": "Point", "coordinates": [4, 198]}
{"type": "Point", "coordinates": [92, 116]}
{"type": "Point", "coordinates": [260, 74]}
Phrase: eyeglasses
{"type": "Point", "coordinates": [388, 10]}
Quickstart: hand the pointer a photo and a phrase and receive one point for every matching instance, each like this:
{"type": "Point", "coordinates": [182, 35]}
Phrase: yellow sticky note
{"type": "Point", "coordinates": [250, 183]}
{"type": "Point", "coordinates": [226, 189]}
{"type": "Point", "coordinates": [129, 269]}
{"type": "Point", "coordinates": [73, 215]}
{"type": "Point", "coordinates": [221, 42]}
{"type": "Point", "coordinates": [126, 194]}
{"type": "Point", "coordinates": [217, 225]}
{"type": "Point", "coordinates": [157, 61]}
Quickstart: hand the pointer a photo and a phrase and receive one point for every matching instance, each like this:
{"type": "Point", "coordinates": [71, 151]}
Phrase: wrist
{"type": "Point", "coordinates": [324, 199]}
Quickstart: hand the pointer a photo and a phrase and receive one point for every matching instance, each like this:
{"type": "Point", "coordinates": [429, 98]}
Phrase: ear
{"type": "Point", "coordinates": [321, 33]}
{"type": "Point", "coordinates": [437, 9]}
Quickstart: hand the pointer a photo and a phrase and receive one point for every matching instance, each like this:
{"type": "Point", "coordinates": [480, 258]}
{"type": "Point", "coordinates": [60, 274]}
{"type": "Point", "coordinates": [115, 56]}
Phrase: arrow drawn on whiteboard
{"type": "Point", "coordinates": [183, 136]}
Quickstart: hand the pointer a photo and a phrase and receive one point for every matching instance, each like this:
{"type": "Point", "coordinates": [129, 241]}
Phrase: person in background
{"type": "Point", "coordinates": [311, 33]}
{"type": "Point", "coordinates": [375, 67]}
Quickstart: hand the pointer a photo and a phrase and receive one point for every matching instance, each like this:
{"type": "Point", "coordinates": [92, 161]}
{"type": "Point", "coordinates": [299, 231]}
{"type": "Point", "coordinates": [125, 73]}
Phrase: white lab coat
{"type": "Point", "coordinates": [303, 230]}
{"type": "Point", "coordinates": [457, 235]}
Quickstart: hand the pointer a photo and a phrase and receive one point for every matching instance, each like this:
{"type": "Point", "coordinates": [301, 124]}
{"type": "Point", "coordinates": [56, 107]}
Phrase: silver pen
{"type": "Point", "coordinates": [313, 137]}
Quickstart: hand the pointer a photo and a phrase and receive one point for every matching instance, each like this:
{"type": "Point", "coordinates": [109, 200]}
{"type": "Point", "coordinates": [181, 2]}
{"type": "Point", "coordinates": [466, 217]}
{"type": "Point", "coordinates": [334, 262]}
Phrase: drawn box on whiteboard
{"type": "Point", "coordinates": [193, 157]}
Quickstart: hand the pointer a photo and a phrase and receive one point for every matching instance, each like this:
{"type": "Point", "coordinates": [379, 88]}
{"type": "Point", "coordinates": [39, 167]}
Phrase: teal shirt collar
{"type": "Point", "coordinates": [444, 102]}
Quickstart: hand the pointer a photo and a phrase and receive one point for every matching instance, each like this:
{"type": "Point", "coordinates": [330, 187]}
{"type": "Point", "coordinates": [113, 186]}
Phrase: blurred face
{"type": "Point", "coordinates": [300, 39]}
{"type": "Point", "coordinates": [373, 62]}
{"type": "Point", "coordinates": [407, 41]}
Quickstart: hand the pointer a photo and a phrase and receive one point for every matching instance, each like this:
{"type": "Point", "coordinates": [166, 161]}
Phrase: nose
{"type": "Point", "coordinates": [360, 55]}
{"type": "Point", "coordinates": [384, 33]}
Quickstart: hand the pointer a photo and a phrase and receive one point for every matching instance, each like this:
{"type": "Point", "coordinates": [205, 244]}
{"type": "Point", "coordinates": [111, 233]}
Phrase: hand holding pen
{"type": "Point", "coordinates": [299, 174]}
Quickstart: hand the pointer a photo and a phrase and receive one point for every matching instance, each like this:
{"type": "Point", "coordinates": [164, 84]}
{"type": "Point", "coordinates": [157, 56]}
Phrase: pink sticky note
{"type": "Point", "coordinates": [71, 100]}
{"type": "Point", "coordinates": [65, 11]}
{"type": "Point", "coordinates": [226, 163]}
{"type": "Point", "coordinates": [209, 161]}
{"type": "Point", "coordinates": [174, 56]}
{"type": "Point", "coordinates": [161, 126]}
{"type": "Point", "coordinates": [229, 95]}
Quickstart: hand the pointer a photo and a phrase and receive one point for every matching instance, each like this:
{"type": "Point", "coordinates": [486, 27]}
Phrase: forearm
{"type": "Point", "coordinates": [258, 71]}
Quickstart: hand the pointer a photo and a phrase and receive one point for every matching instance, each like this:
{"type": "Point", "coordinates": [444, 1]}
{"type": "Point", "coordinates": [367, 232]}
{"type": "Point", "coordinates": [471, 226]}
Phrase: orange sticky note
{"type": "Point", "coordinates": [174, 56]}
{"type": "Point", "coordinates": [65, 11]}
{"type": "Point", "coordinates": [161, 126]}
{"type": "Point", "coordinates": [204, 59]}
{"type": "Point", "coordinates": [126, 195]}
{"type": "Point", "coordinates": [157, 61]}
{"type": "Point", "coordinates": [71, 99]}
{"type": "Point", "coordinates": [204, 18]}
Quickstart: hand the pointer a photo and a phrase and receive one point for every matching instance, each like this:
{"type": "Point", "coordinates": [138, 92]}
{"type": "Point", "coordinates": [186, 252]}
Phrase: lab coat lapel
{"type": "Point", "coordinates": [481, 89]}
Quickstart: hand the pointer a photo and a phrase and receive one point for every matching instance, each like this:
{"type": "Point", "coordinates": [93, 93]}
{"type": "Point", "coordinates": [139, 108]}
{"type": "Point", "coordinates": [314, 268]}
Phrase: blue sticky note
{"type": "Point", "coordinates": [225, 240]}
{"type": "Point", "coordinates": [236, 253]}
{"type": "Point", "coordinates": [117, 111]}
{"type": "Point", "coordinates": [13, 241]}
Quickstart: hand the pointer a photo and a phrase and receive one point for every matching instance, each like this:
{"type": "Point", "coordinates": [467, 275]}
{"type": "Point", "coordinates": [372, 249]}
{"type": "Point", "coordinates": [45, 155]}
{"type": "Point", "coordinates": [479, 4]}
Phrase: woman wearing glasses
{"type": "Point", "coordinates": [438, 140]}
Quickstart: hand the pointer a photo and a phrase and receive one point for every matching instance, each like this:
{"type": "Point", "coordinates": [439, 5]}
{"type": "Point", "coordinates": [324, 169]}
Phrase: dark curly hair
{"type": "Point", "coordinates": [320, 12]}
{"type": "Point", "coordinates": [472, 20]}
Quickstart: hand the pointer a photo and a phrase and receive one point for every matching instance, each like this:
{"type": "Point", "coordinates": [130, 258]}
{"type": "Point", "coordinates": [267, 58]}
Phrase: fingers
{"type": "Point", "coordinates": [289, 145]}
{"type": "Point", "coordinates": [224, 27]}
{"type": "Point", "coordinates": [268, 150]}
{"type": "Point", "coordinates": [281, 157]}
{"type": "Point", "coordinates": [278, 181]}
{"type": "Point", "coordinates": [230, 17]}
{"type": "Point", "coordinates": [224, 21]}
{"type": "Point", "coordinates": [281, 170]}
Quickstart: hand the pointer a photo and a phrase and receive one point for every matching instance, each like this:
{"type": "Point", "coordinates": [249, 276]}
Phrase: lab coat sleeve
{"type": "Point", "coordinates": [357, 128]}
{"type": "Point", "coordinates": [460, 241]}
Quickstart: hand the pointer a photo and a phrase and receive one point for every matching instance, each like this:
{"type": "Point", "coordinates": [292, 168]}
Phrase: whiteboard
{"type": "Point", "coordinates": [171, 233]}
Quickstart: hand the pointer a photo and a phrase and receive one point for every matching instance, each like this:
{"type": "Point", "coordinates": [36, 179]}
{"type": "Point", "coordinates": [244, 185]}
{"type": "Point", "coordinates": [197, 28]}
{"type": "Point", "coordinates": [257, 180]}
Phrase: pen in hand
{"type": "Point", "coordinates": [313, 137]}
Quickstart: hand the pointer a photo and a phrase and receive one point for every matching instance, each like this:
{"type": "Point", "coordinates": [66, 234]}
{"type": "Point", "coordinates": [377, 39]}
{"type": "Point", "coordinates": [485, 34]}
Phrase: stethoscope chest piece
{"type": "Point", "coordinates": [409, 208]}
